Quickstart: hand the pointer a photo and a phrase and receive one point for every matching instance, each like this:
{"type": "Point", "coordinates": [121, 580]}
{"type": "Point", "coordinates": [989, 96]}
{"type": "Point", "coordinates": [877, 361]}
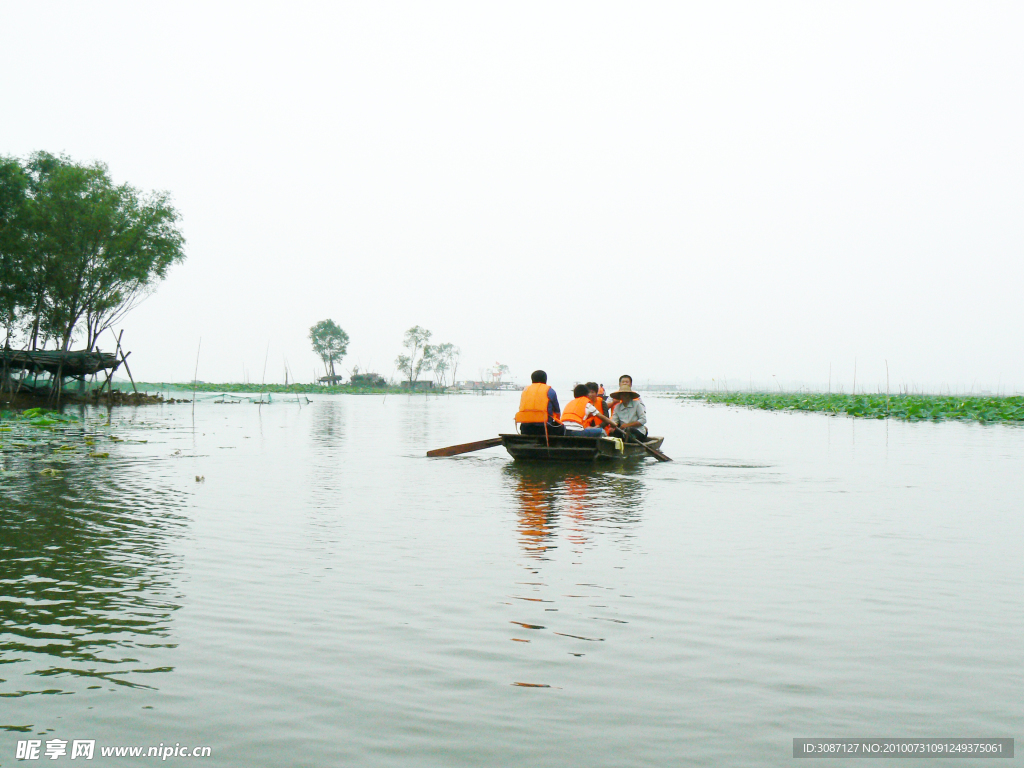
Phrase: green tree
{"type": "Point", "coordinates": [93, 249]}
{"type": "Point", "coordinates": [442, 359]}
{"type": "Point", "coordinates": [416, 343]}
{"type": "Point", "coordinates": [15, 228]}
{"type": "Point", "coordinates": [452, 355]}
{"type": "Point", "coordinates": [434, 361]}
{"type": "Point", "coordinates": [329, 342]}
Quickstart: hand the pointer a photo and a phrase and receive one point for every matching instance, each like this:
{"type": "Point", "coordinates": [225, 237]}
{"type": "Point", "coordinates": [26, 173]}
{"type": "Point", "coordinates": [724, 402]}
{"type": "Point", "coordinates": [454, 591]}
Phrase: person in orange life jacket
{"type": "Point", "coordinates": [539, 413]}
{"type": "Point", "coordinates": [580, 411]}
{"type": "Point", "coordinates": [597, 398]}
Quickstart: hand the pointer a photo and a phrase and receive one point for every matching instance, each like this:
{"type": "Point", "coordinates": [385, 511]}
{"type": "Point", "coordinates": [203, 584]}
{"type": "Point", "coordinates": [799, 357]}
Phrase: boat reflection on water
{"type": "Point", "coordinates": [588, 502]}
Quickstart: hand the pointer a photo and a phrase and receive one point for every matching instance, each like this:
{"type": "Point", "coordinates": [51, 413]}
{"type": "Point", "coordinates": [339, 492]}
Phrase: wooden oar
{"type": "Point", "coordinates": [653, 451]}
{"type": "Point", "coordinates": [630, 439]}
{"type": "Point", "coordinates": [455, 450]}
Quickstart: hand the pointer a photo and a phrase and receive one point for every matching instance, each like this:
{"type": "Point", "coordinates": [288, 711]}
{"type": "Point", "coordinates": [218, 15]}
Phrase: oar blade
{"type": "Point", "coordinates": [654, 452]}
{"type": "Point", "coordinates": [650, 449]}
{"type": "Point", "coordinates": [657, 454]}
{"type": "Point", "coordinates": [455, 450]}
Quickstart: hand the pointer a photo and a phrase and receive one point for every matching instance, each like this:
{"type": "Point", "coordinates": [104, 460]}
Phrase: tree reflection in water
{"type": "Point", "coordinates": [87, 577]}
{"type": "Point", "coordinates": [329, 425]}
{"type": "Point", "coordinates": [325, 481]}
{"type": "Point", "coordinates": [594, 498]}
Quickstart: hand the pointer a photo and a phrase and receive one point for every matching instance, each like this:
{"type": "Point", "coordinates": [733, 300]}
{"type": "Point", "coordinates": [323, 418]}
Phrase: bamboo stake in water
{"type": "Point", "coordinates": [263, 383]}
{"type": "Point", "coordinates": [195, 376]}
{"type": "Point", "coordinates": [124, 361]}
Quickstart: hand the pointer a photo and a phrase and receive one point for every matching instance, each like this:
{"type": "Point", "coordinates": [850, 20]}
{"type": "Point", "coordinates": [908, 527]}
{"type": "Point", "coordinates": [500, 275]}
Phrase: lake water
{"type": "Point", "coordinates": [328, 596]}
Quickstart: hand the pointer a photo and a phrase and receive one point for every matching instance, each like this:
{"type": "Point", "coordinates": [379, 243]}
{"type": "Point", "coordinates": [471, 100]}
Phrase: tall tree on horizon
{"type": "Point", "coordinates": [444, 358]}
{"type": "Point", "coordinates": [416, 341]}
{"type": "Point", "coordinates": [329, 342]}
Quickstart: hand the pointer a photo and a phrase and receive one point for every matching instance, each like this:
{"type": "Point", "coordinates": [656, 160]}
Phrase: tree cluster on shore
{"type": "Point", "coordinates": [77, 252]}
{"type": "Point", "coordinates": [439, 359]}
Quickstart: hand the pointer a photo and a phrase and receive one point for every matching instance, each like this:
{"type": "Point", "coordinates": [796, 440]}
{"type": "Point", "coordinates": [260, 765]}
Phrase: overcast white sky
{"type": "Point", "coordinates": [676, 190]}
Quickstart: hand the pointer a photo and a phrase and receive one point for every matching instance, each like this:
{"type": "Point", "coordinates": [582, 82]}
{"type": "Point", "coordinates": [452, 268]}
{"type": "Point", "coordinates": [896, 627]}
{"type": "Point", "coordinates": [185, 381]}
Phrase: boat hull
{"type": "Point", "coordinates": [563, 448]}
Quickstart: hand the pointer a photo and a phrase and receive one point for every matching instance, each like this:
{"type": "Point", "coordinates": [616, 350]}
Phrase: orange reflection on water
{"type": "Point", "coordinates": [545, 493]}
{"type": "Point", "coordinates": [576, 491]}
{"type": "Point", "coordinates": [590, 500]}
{"type": "Point", "coordinates": [537, 516]}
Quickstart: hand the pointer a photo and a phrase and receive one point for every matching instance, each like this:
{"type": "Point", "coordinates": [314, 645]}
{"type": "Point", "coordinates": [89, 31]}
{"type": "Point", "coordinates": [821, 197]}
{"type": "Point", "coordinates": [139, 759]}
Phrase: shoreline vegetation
{"type": "Point", "coordinates": [77, 253]}
{"type": "Point", "coordinates": [283, 389]}
{"type": "Point", "coordinates": [908, 407]}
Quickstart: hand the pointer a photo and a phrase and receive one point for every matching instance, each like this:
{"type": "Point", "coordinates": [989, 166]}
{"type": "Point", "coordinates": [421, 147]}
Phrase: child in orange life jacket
{"type": "Point", "coordinates": [577, 413]}
{"type": "Point", "coordinates": [596, 394]}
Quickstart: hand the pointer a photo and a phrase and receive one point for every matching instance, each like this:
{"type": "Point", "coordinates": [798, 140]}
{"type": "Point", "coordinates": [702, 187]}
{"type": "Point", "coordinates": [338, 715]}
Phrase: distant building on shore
{"type": "Point", "coordinates": [503, 386]}
{"type": "Point", "coordinates": [373, 380]}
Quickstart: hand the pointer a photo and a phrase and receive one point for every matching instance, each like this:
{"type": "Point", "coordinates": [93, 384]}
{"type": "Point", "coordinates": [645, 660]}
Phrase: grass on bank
{"type": "Point", "coordinates": [290, 389]}
{"type": "Point", "coordinates": [910, 407]}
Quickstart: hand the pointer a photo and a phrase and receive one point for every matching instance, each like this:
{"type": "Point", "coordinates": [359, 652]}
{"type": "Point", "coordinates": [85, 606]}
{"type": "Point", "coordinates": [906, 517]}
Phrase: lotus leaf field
{"type": "Point", "coordinates": [54, 441]}
{"type": "Point", "coordinates": [910, 407]}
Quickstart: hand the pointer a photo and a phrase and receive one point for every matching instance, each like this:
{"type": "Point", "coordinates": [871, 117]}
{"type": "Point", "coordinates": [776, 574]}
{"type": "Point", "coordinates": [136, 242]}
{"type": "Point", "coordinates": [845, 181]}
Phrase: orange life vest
{"type": "Point", "coordinates": [533, 405]}
{"type": "Point", "coordinates": [593, 421]}
{"type": "Point", "coordinates": [574, 410]}
{"type": "Point", "coordinates": [608, 428]}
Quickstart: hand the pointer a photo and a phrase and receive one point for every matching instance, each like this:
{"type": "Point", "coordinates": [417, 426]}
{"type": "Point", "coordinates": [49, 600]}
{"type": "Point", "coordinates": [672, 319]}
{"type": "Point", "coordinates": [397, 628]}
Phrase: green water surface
{"type": "Point", "coordinates": [296, 584]}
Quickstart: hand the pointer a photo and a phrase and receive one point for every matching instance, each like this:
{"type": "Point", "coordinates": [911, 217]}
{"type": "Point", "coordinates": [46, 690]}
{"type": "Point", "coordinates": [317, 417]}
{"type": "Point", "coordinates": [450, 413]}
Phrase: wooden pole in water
{"type": "Point", "coordinates": [3, 381]}
{"type": "Point", "coordinates": [195, 376]}
{"type": "Point", "coordinates": [8, 379]}
{"type": "Point", "coordinates": [385, 399]}
{"type": "Point", "coordinates": [124, 360]}
{"type": "Point", "coordinates": [56, 382]}
{"type": "Point", "coordinates": [263, 383]}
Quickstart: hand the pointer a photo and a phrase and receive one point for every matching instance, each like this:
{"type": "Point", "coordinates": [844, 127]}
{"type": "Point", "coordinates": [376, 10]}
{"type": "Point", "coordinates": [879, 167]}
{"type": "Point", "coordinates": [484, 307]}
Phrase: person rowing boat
{"type": "Point", "coordinates": [629, 414]}
{"type": "Point", "coordinates": [551, 435]}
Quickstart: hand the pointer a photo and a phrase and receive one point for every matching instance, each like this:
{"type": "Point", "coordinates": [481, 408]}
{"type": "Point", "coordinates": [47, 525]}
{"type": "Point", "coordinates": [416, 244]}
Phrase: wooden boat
{"type": "Point", "coordinates": [562, 448]}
